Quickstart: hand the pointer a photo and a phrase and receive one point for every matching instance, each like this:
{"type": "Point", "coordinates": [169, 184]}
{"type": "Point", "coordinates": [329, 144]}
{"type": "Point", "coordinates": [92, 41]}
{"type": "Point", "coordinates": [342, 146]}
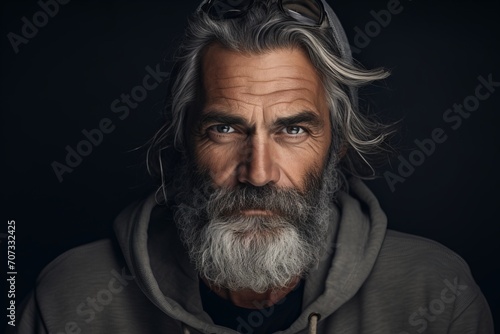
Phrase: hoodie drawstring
{"type": "Point", "coordinates": [313, 323]}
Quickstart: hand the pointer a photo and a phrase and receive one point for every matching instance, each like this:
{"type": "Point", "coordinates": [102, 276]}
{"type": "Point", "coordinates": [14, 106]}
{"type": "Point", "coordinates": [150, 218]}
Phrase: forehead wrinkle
{"type": "Point", "coordinates": [270, 87]}
{"type": "Point", "coordinates": [308, 104]}
{"type": "Point", "coordinates": [295, 69]}
{"type": "Point", "coordinates": [223, 88]}
{"type": "Point", "coordinates": [258, 67]}
{"type": "Point", "coordinates": [288, 78]}
{"type": "Point", "coordinates": [231, 106]}
{"type": "Point", "coordinates": [280, 91]}
{"type": "Point", "coordinates": [240, 72]}
{"type": "Point", "coordinates": [270, 78]}
{"type": "Point", "coordinates": [234, 82]}
{"type": "Point", "coordinates": [283, 86]}
{"type": "Point", "coordinates": [274, 92]}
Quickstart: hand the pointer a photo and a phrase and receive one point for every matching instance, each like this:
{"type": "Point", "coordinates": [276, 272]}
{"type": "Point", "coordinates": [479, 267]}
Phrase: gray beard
{"type": "Point", "coordinates": [256, 252]}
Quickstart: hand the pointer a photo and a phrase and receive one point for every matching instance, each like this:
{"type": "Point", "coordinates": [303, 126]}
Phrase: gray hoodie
{"type": "Point", "coordinates": [371, 280]}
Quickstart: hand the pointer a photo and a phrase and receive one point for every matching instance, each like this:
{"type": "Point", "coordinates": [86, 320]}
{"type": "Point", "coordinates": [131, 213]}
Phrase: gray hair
{"type": "Point", "coordinates": [263, 29]}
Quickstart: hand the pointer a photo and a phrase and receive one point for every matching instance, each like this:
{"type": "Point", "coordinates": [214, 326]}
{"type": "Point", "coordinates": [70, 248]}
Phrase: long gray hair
{"type": "Point", "coordinates": [355, 137]}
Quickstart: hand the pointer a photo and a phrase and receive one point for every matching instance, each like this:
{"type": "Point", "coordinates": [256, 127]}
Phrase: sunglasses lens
{"type": "Point", "coordinates": [306, 11]}
{"type": "Point", "coordinates": [228, 9]}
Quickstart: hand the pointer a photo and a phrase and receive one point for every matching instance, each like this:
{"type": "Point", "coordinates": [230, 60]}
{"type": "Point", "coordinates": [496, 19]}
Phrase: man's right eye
{"type": "Point", "coordinates": [222, 128]}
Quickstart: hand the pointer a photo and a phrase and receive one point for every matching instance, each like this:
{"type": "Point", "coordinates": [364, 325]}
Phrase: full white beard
{"type": "Point", "coordinates": [252, 252]}
{"type": "Point", "coordinates": [256, 252]}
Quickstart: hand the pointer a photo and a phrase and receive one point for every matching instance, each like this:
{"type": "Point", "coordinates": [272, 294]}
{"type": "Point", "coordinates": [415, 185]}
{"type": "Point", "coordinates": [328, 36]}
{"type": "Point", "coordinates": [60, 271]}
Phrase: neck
{"type": "Point", "coordinates": [250, 299]}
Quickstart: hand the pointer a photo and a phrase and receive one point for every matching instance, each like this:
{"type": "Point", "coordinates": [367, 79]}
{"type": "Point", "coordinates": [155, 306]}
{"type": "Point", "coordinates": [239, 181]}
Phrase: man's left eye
{"type": "Point", "coordinates": [293, 130]}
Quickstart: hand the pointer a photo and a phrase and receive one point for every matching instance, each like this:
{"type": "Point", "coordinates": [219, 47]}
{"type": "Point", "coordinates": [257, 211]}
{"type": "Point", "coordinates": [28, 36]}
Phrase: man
{"type": "Point", "coordinates": [261, 223]}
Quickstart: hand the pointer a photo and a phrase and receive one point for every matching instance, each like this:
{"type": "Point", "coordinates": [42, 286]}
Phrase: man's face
{"type": "Point", "coordinates": [264, 121]}
{"type": "Point", "coordinates": [253, 211]}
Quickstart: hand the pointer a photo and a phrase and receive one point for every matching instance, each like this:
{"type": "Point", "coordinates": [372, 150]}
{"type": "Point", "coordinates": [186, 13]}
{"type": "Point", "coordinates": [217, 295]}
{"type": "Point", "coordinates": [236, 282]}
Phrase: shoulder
{"type": "Point", "coordinates": [82, 262]}
{"type": "Point", "coordinates": [80, 283]}
{"type": "Point", "coordinates": [427, 284]}
{"type": "Point", "coordinates": [411, 252]}
{"type": "Point", "coordinates": [425, 272]}
{"type": "Point", "coordinates": [80, 272]}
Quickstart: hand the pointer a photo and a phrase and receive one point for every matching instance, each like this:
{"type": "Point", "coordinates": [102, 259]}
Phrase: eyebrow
{"type": "Point", "coordinates": [303, 117]}
{"type": "Point", "coordinates": [221, 117]}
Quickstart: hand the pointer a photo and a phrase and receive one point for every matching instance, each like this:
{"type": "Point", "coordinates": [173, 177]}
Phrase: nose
{"type": "Point", "coordinates": [258, 167]}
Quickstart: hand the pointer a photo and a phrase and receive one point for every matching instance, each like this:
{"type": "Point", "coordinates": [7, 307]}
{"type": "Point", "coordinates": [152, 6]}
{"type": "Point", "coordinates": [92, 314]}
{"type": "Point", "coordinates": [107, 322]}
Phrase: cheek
{"type": "Point", "coordinates": [297, 163]}
{"type": "Point", "coordinates": [219, 161]}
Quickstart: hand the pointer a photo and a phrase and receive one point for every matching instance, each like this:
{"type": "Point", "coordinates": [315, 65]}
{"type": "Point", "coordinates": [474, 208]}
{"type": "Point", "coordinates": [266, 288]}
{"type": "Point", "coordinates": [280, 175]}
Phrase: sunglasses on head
{"type": "Point", "coordinates": [307, 12]}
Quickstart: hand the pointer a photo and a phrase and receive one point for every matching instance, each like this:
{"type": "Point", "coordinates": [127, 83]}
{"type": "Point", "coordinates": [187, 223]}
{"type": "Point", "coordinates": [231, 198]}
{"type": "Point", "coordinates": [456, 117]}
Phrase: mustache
{"type": "Point", "coordinates": [284, 202]}
{"type": "Point", "coordinates": [202, 199]}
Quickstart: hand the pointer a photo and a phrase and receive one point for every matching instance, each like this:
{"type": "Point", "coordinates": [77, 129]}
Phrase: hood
{"type": "Point", "coordinates": [148, 238]}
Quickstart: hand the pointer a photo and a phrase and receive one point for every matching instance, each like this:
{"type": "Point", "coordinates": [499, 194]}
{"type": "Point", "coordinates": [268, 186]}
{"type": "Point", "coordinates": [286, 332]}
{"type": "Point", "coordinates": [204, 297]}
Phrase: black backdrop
{"type": "Point", "coordinates": [65, 77]}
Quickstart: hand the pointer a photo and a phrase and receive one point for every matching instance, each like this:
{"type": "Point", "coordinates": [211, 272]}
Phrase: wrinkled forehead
{"type": "Point", "coordinates": [220, 62]}
{"type": "Point", "coordinates": [280, 75]}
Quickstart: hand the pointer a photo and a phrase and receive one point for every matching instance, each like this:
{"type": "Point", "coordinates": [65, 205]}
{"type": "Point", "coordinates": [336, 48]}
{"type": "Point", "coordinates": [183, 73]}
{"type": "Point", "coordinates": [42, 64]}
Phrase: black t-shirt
{"type": "Point", "coordinates": [253, 321]}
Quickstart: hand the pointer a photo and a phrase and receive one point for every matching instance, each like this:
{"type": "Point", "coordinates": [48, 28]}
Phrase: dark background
{"type": "Point", "coordinates": [65, 78]}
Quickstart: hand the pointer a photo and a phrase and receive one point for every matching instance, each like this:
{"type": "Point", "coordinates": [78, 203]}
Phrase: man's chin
{"type": "Point", "coordinates": [251, 253]}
